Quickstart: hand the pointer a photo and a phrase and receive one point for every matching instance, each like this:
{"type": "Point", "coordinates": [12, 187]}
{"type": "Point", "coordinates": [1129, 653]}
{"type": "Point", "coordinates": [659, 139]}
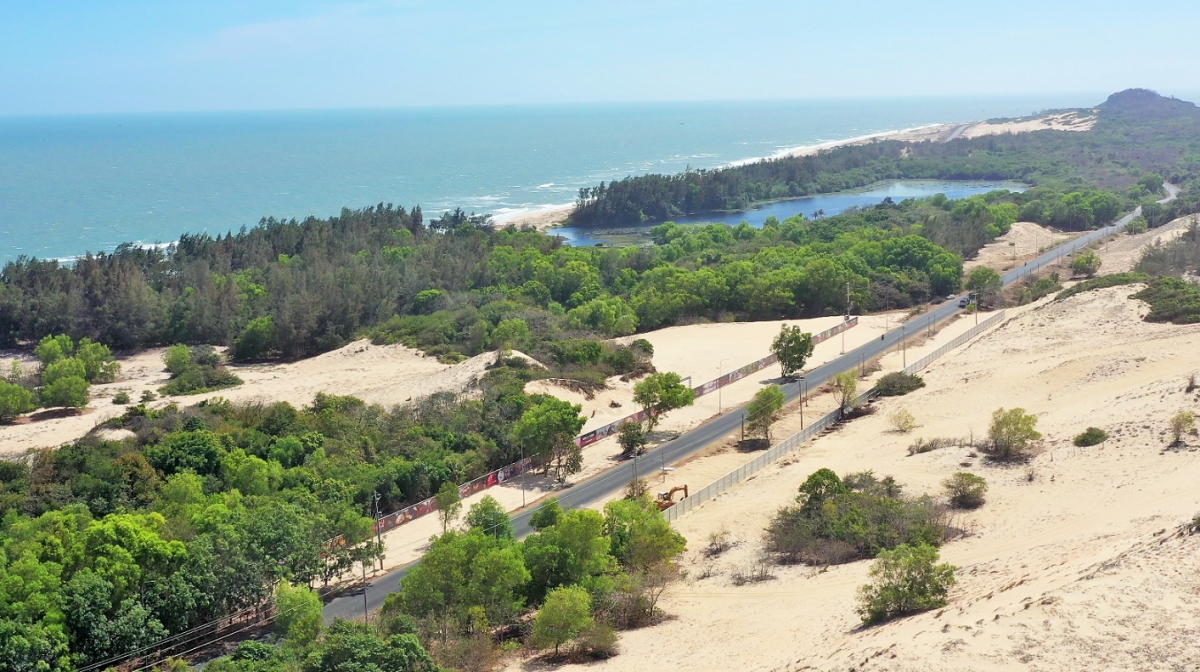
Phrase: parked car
{"type": "Point", "coordinates": [964, 302]}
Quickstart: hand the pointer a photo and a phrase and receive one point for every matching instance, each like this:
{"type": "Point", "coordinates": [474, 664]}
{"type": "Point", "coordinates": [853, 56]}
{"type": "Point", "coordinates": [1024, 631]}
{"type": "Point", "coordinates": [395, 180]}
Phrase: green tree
{"type": "Point", "coordinates": [965, 490]}
{"type": "Point", "coordinates": [510, 333]}
{"type": "Point", "coordinates": [905, 580]}
{"type": "Point", "coordinates": [14, 400]}
{"type": "Point", "coordinates": [178, 359]}
{"type": "Point", "coordinates": [490, 518]}
{"type": "Point", "coordinates": [566, 613]}
{"type": "Point", "coordinates": [983, 281]}
{"type": "Point", "coordinates": [98, 362]}
{"type": "Point", "coordinates": [845, 386]}
{"type": "Point", "coordinates": [546, 515]}
{"type": "Point", "coordinates": [355, 647]}
{"type": "Point", "coordinates": [632, 438]}
{"type": "Point", "coordinates": [573, 551]}
{"type": "Point", "coordinates": [53, 348]}
{"type": "Point", "coordinates": [659, 393]}
{"type": "Point", "coordinates": [66, 392]}
{"type": "Point", "coordinates": [765, 410]}
{"type": "Point", "coordinates": [66, 367]}
{"type": "Point", "coordinates": [1011, 432]}
{"type": "Point", "coordinates": [548, 430]}
{"type": "Point", "coordinates": [639, 536]}
{"type": "Point", "coordinates": [449, 503]}
{"type": "Point", "coordinates": [793, 347]}
{"type": "Point", "coordinates": [1087, 264]}
{"type": "Point", "coordinates": [298, 617]}
{"type": "Point", "coordinates": [1181, 424]}
{"type": "Point", "coordinates": [256, 341]}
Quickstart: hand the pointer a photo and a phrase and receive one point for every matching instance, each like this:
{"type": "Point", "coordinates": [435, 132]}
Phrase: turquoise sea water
{"type": "Point", "coordinates": [87, 183]}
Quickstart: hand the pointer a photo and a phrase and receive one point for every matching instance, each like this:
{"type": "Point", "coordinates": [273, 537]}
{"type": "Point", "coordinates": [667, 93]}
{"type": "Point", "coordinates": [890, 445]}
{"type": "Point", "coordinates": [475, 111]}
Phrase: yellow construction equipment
{"type": "Point", "coordinates": [667, 499]}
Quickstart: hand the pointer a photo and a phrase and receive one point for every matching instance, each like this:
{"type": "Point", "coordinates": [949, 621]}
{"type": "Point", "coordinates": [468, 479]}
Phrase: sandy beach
{"type": "Point", "coordinates": [546, 218]}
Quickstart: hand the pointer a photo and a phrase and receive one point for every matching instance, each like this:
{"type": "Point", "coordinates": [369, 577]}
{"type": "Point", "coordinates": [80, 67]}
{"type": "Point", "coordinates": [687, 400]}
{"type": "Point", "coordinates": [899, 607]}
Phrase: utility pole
{"type": "Point", "coordinates": [904, 343]}
{"type": "Point", "coordinates": [524, 468]}
{"type": "Point", "coordinates": [801, 402]}
{"type": "Point", "coordinates": [366, 616]}
{"type": "Point", "coordinates": [378, 531]}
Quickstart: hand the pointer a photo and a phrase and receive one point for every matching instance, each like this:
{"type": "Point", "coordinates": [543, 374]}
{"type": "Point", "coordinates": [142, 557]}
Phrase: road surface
{"type": "Point", "coordinates": [597, 487]}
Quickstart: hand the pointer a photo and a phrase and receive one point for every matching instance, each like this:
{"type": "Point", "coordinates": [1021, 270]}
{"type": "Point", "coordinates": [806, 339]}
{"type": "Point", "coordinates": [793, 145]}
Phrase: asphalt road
{"type": "Point", "coordinates": [595, 488]}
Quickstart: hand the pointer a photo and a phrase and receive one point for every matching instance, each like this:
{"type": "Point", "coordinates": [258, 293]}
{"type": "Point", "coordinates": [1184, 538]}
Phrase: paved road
{"type": "Point", "coordinates": [595, 488]}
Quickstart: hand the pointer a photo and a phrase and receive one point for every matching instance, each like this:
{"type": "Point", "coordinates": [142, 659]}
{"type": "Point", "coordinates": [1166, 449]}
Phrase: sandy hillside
{"type": "Point", "coordinates": [1123, 252]}
{"type": "Point", "coordinates": [1079, 568]}
{"type": "Point", "coordinates": [1066, 121]}
{"type": "Point", "coordinates": [387, 375]}
{"type": "Point", "coordinates": [1023, 242]}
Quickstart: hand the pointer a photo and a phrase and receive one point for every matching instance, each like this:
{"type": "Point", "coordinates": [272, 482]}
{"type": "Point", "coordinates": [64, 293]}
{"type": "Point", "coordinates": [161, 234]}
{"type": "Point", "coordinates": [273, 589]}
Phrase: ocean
{"type": "Point", "coordinates": [73, 184]}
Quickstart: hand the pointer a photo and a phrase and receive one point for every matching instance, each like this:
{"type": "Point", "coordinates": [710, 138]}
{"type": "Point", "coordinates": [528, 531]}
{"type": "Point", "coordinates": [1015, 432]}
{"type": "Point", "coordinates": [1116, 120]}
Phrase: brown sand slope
{"type": "Point", "coordinates": [1023, 242]}
{"type": "Point", "coordinates": [1075, 569]}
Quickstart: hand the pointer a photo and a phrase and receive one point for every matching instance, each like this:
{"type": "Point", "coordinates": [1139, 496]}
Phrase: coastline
{"type": "Point", "coordinates": [550, 216]}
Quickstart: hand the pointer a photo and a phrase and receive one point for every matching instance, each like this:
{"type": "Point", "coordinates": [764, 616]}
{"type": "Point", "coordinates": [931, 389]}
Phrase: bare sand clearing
{"type": "Point", "coordinates": [1079, 568]}
{"type": "Point", "coordinates": [1122, 252]}
{"type": "Point", "coordinates": [1023, 242]}
{"type": "Point", "coordinates": [1066, 121]}
{"type": "Point", "coordinates": [378, 374]}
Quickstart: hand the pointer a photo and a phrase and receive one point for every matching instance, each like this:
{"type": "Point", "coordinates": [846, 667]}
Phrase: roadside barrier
{"type": "Point", "coordinates": [796, 440]}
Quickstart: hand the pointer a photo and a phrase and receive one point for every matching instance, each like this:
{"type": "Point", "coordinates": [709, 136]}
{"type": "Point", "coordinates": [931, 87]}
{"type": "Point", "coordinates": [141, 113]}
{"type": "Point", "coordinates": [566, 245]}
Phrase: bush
{"type": "Point", "coordinates": [922, 446]}
{"type": "Point", "coordinates": [905, 581]}
{"type": "Point", "coordinates": [1090, 437]}
{"type": "Point", "coordinates": [1172, 300]}
{"type": "Point", "coordinates": [121, 398]}
{"type": "Point", "coordinates": [898, 383]}
{"type": "Point", "coordinates": [1181, 424]}
{"type": "Point", "coordinates": [566, 613]}
{"type": "Point", "coordinates": [299, 620]}
{"type": "Point", "coordinates": [256, 341]}
{"type": "Point", "coordinates": [68, 392]}
{"type": "Point", "coordinates": [1010, 434]}
{"type": "Point", "coordinates": [1114, 280]}
{"type": "Point", "coordinates": [14, 400]}
{"type": "Point", "coordinates": [902, 421]}
{"type": "Point", "coordinates": [965, 491]}
{"type": "Point", "coordinates": [597, 641]}
{"type": "Point", "coordinates": [195, 370]}
{"type": "Point", "coordinates": [835, 523]}
{"type": "Point", "coordinates": [1086, 264]}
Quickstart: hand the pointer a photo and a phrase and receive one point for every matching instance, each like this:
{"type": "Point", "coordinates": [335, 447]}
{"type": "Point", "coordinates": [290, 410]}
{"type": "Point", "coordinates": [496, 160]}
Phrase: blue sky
{"type": "Point", "coordinates": [70, 56]}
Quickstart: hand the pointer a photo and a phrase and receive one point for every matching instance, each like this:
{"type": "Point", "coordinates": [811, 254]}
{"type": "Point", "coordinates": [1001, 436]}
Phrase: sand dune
{"type": "Point", "coordinates": [1079, 568]}
{"type": "Point", "coordinates": [1023, 242]}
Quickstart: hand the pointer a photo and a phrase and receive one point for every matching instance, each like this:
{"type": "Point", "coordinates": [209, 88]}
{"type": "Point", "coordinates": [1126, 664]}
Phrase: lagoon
{"type": "Point", "coordinates": [826, 204]}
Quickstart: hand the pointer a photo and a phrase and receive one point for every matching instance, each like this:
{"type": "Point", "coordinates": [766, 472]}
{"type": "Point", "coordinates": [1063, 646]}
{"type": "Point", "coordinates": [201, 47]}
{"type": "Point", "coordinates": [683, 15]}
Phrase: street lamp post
{"type": "Point", "coordinates": [802, 390]}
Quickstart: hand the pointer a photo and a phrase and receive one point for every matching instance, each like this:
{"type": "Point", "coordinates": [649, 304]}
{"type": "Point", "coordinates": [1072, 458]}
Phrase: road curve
{"type": "Point", "coordinates": [593, 489]}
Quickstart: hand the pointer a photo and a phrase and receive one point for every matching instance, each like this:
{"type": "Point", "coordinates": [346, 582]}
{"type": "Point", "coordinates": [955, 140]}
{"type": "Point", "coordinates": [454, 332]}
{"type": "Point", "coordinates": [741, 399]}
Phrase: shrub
{"type": "Point", "coordinates": [121, 398]}
{"type": "Point", "coordinates": [922, 446]}
{"type": "Point", "coordinates": [898, 383]}
{"type": "Point", "coordinates": [834, 523]}
{"type": "Point", "coordinates": [764, 410]}
{"type": "Point", "coordinates": [255, 341]}
{"type": "Point", "coordinates": [905, 581]}
{"type": "Point", "coordinates": [147, 396]}
{"type": "Point", "coordinates": [14, 400]}
{"type": "Point", "coordinates": [299, 619]}
{"type": "Point", "coordinates": [1172, 300]}
{"type": "Point", "coordinates": [845, 386]}
{"type": "Point", "coordinates": [1181, 424]}
{"type": "Point", "coordinates": [965, 491]}
{"type": "Point", "coordinates": [67, 392]}
{"type": "Point", "coordinates": [566, 613]}
{"type": "Point", "coordinates": [1090, 437]}
{"type": "Point", "coordinates": [196, 370]}
{"type": "Point", "coordinates": [1114, 280]}
{"type": "Point", "coordinates": [902, 421]}
{"type": "Point", "coordinates": [177, 358]}
{"type": "Point", "coordinates": [597, 641]}
{"type": "Point", "coordinates": [1010, 433]}
{"type": "Point", "coordinates": [1086, 264]}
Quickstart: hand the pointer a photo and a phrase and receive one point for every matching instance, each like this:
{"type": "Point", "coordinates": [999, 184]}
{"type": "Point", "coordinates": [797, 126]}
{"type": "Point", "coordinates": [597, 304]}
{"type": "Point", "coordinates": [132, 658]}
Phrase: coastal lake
{"type": "Point", "coordinates": [827, 204]}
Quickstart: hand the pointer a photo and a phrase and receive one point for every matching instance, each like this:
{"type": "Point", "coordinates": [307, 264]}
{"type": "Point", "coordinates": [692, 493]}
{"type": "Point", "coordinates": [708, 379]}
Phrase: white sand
{"type": "Point", "coordinates": [1123, 251]}
{"type": "Point", "coordinates": [1023, 242]}
{"type": "Point", "coordinates": [1066, 121]}
{"type": "Point", "coordinates": [1077, 570]}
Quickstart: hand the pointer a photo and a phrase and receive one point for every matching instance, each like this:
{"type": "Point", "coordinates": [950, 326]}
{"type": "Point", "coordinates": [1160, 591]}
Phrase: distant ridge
{"type": "Point", "coordinates": [1144, 104]}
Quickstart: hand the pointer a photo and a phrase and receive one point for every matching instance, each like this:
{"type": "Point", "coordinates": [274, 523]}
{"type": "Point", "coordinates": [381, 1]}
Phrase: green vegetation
{"type": "Point", "coordinates": [547, 430]}
{"type": "Point", "coordinates": [344, 646]}
{"type": "Point", "coordinates": [904, 581]}
{"type": "Point", "coordinates": [1138, 137]}
{"type": "Point", "coordinates": [898, 383]}
{"type": "Point", "coordinates": [1034, 288]}
{"type": "Point", "coordinates": [793, 347]}
{"type": "Point", "coordinates": [1182, 424]}
{"type": "Point", "coordinates": [106, 546]}
{"type": "Point", "coordinates": [660, 393]}
{"type": "Point", "coordinates": [1087, 264]}
{"type": "Point", "coordinates": [14, 400]}
{"type": "Point", "coordinates": [449, 504]}
{"type": "Point", "coordinates": [1090, 437]}
{"type": "Point", "coordinates": [64, 379]}
{"type": "Point", "coordinates": [845, 388]}
{"type": "Point", "coordinates": [1010, 434]}
{"type": "Point", "coordinates": [965, 490]}
{"type": "Point", "coordinates": [902, 421]}
{"type": "Point", "coordinates": [1172, 300]}
{"type": "Point", "coordinates": [1102, 282]}
{"type": "Point", "coordinates": [195, 370]}
{"type": "Point", "coordinates": [1177, 257]}
{"type": "Point", "coordinates": [838, 521]}
{"type": "Point", "coordinates": [632, 438]}
{"type": "Point", "coordinates": [588, 572]}
{"type": "Point", "coordinates": [764, 410]}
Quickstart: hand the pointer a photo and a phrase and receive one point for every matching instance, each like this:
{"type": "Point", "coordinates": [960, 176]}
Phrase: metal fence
{"type": "Point", "coordinates": [796, 440]}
